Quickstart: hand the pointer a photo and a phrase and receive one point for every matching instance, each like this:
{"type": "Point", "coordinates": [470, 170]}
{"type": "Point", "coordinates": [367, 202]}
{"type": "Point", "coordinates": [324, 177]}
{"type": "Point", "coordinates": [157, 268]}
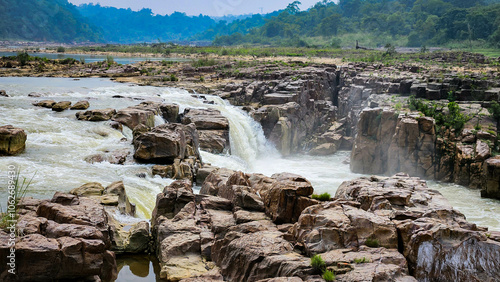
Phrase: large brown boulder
{"type": "Point", "coordinates": [81, 105]}
{"type": "Point", "coordinates": [61, 106]}
{"type": "Point", "coordinates": [45, 104]}
{"type": "Point", "coordinates": [143, 113]}
{"type": "Point", "coordinates": [12, 140]}
{"type": "Point", "coordinates": [167, 142]}
{"type": "Point", "coordinates": [66, 238]}
{"type": "Point", "coordinates": [173, 199]}
{"type": "Point", "coordinates": [213, 129]}
{"type": "Point", "coordinates": [96, 115]}
{"type": "Point", "coordinates": [287, 197]}
{"type": "Point", "coordinates": [339, 225]}
{"type": "Point", "coordinates": [206, 119]}
{"type": "Point", "coordinates": [436, 240]}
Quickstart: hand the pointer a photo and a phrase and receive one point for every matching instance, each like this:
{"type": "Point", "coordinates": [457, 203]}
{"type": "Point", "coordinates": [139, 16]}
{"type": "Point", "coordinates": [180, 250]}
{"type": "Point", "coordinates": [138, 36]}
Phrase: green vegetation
{"type": "Point", "coordinates": [323, 197]}
{"type": "Point", "coordinates": [494, 110]}
{"type": "Point", "coordinates": [452, 23]}
{"type": "Point", "coordinates": [361, 260]}
{"type": "Point", "coordinates": [127, 26]}
{"type": "Point", "coordinates": [61, 49]}
{"type": "Point", "coordinates": [317, 263]}
{"type": "Point", "coordinates": [328, 276]}
{"type": "Point", "coordinates": [44, 20]}
{"type": "Point", "coordinates": [372, 243]}
{"type": "Point", "coordinates": [453, 119]}
{"type": "Point", "coordinates": [20, 190]}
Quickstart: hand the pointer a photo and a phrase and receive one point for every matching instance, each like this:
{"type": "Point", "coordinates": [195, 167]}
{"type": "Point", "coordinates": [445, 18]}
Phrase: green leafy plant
{"type": "Point", "coordinates": [61, 49]}
{"type": "Point", "coordinates": [328, 276]}
{"type": "Point", "coordinates": [372, 243]}
{"type": "Point", "coordinates": [361, 260]}
{"type": "Point", "coordinates": [318, 263]}
{"type": "Point", "coordinates": [20, 189]}
{"type": "Point", "coordinates": [322, 197]}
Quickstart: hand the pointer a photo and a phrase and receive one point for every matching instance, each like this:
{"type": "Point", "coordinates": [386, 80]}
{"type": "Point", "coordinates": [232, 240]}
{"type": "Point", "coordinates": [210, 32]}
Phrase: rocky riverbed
{"type": "Point", "coordinates": [253, 227]}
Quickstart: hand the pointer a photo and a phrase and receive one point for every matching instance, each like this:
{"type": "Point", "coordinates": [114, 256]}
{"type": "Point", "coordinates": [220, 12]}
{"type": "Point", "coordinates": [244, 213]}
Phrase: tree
{"type": "Point", "coordinates": [293, 8]}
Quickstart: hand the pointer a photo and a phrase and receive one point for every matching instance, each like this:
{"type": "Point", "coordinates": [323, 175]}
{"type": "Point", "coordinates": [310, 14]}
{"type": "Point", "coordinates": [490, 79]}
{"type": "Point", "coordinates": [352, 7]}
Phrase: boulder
{"type": "Point", "coordinates": [436, 240]}
{"type": "Point", "coordinates": [205, 119]}
{"type": "Point", "coordinates": [96, 115]}
{"type": "Point", "coordinates": [143, 113]}
{"type": "Point", "coordinates": [81, 105]}
{"type": "Point", "coordinates": [367, 264]}
{"type": "Point", "coordinates": [491, 178]}
{"type": "Point", "coordinates": [61, 106]}
{"type": "Point", "coordinates": [338, 225]}
{"type": "Point", "coordinates": [3, 93]}
{"type": "Point", "coordinates": [12, 140]}
{"type": "Point", "coordinates": [324, 149]}
{"type": "Point", "coordinates": [66, 238]}
{"type": "Point", "coordinates": [45, 104]}
{"type": "Point", "coordinates": [173, 199]}
{"type": "Point", "coordinates": [170, 112]}
{"type": "Point", "coordinates": [167, 142]}
{"type": "Point", "coordinates": [88, 189]}
{"type": "Point", "coordinates": [214, 141]}
{"type": "Point", "coordinates": [115, 157]}
{"type": "Point", "coordinates": [129, 238]}
{"type": "Point", "coordinates": [115, 195]}
{"type": "Point", "coordinates": [287, 197]}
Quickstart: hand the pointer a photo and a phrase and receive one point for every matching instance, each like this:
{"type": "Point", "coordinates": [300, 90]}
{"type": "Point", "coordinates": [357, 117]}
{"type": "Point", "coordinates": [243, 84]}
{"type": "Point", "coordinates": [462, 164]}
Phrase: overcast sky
{"type": "Point", "coordinates": [206, 7]}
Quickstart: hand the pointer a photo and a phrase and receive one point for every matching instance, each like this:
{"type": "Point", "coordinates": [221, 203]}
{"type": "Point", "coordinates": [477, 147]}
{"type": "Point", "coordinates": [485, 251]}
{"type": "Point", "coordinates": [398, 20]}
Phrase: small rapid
{"type": "Point", "coordinates": [58, 144]}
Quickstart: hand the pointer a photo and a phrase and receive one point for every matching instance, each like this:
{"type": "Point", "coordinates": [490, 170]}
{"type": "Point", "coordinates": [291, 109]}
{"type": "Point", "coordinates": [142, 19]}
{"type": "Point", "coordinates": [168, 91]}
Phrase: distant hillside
{"type": "Point", "coordinates": [237, 27]}
{"type": "Point", "coordinates": [377, 22]}
{"type": "Point", "coordinates": [127, 26]}
{"type": "Point", "coordinates": [44, 20]}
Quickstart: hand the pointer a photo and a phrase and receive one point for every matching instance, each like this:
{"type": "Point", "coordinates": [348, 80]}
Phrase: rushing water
{"type": "Point", "coordinates": [58, 144]}
{"type": "Point", "coordinates": [124, 60]}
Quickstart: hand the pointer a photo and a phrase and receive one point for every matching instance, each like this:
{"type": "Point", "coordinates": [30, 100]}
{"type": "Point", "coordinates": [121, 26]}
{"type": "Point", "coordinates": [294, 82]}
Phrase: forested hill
{"type": "Point", "coordinates": [127, 26]}
{"type": "Point", "coordinates": [410, 22]}
{"type": "Point", "coordinates": [44, 20]}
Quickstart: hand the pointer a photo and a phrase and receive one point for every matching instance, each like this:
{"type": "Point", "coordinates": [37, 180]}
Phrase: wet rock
{"type": "Point", "coordinates": [205, 119]}
{"type": "Point", "coordinates": [214, 141]}
{"type": "Point", "coordinates": [129, 238]}
{"type": "Point", "coordinates": [96, 115]}
{"type": "Point", "coordinates": [324, 149]}
{"type": "Point", "coordinates": [89, 189]}
{"type": "Point", "coordinates": [3, 93]}
{"type": "Point", "coordinates": [114, 157]}
{"type": "Point", "coordinates": [143, 113]}
{"type": "Point", "coordinates": [12, 140]}
{"type": "Point", "coordinates": [491, 178]}
{"type": "Point", "coordinates": [167, 142]}
{"type": "Point", "coordinates": [45, 104]}
{"type": "Point", "coordinates": [170, 112]}
{"type": "Point", "coordinates": [81, 105]}
{"type": "Point", "coordinates": [61, 106]}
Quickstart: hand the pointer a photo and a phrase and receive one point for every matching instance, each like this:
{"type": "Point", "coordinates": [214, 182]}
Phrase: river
{"type": "Point", "coordinates": [58, 144]}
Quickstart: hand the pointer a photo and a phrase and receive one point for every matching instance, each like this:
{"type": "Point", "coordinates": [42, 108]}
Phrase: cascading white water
{"type": "Point", "coordinates": [58, 144]}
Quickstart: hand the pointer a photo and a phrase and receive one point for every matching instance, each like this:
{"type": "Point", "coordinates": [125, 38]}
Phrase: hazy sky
{"type": "Point", "coordinates": [206, 7]}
